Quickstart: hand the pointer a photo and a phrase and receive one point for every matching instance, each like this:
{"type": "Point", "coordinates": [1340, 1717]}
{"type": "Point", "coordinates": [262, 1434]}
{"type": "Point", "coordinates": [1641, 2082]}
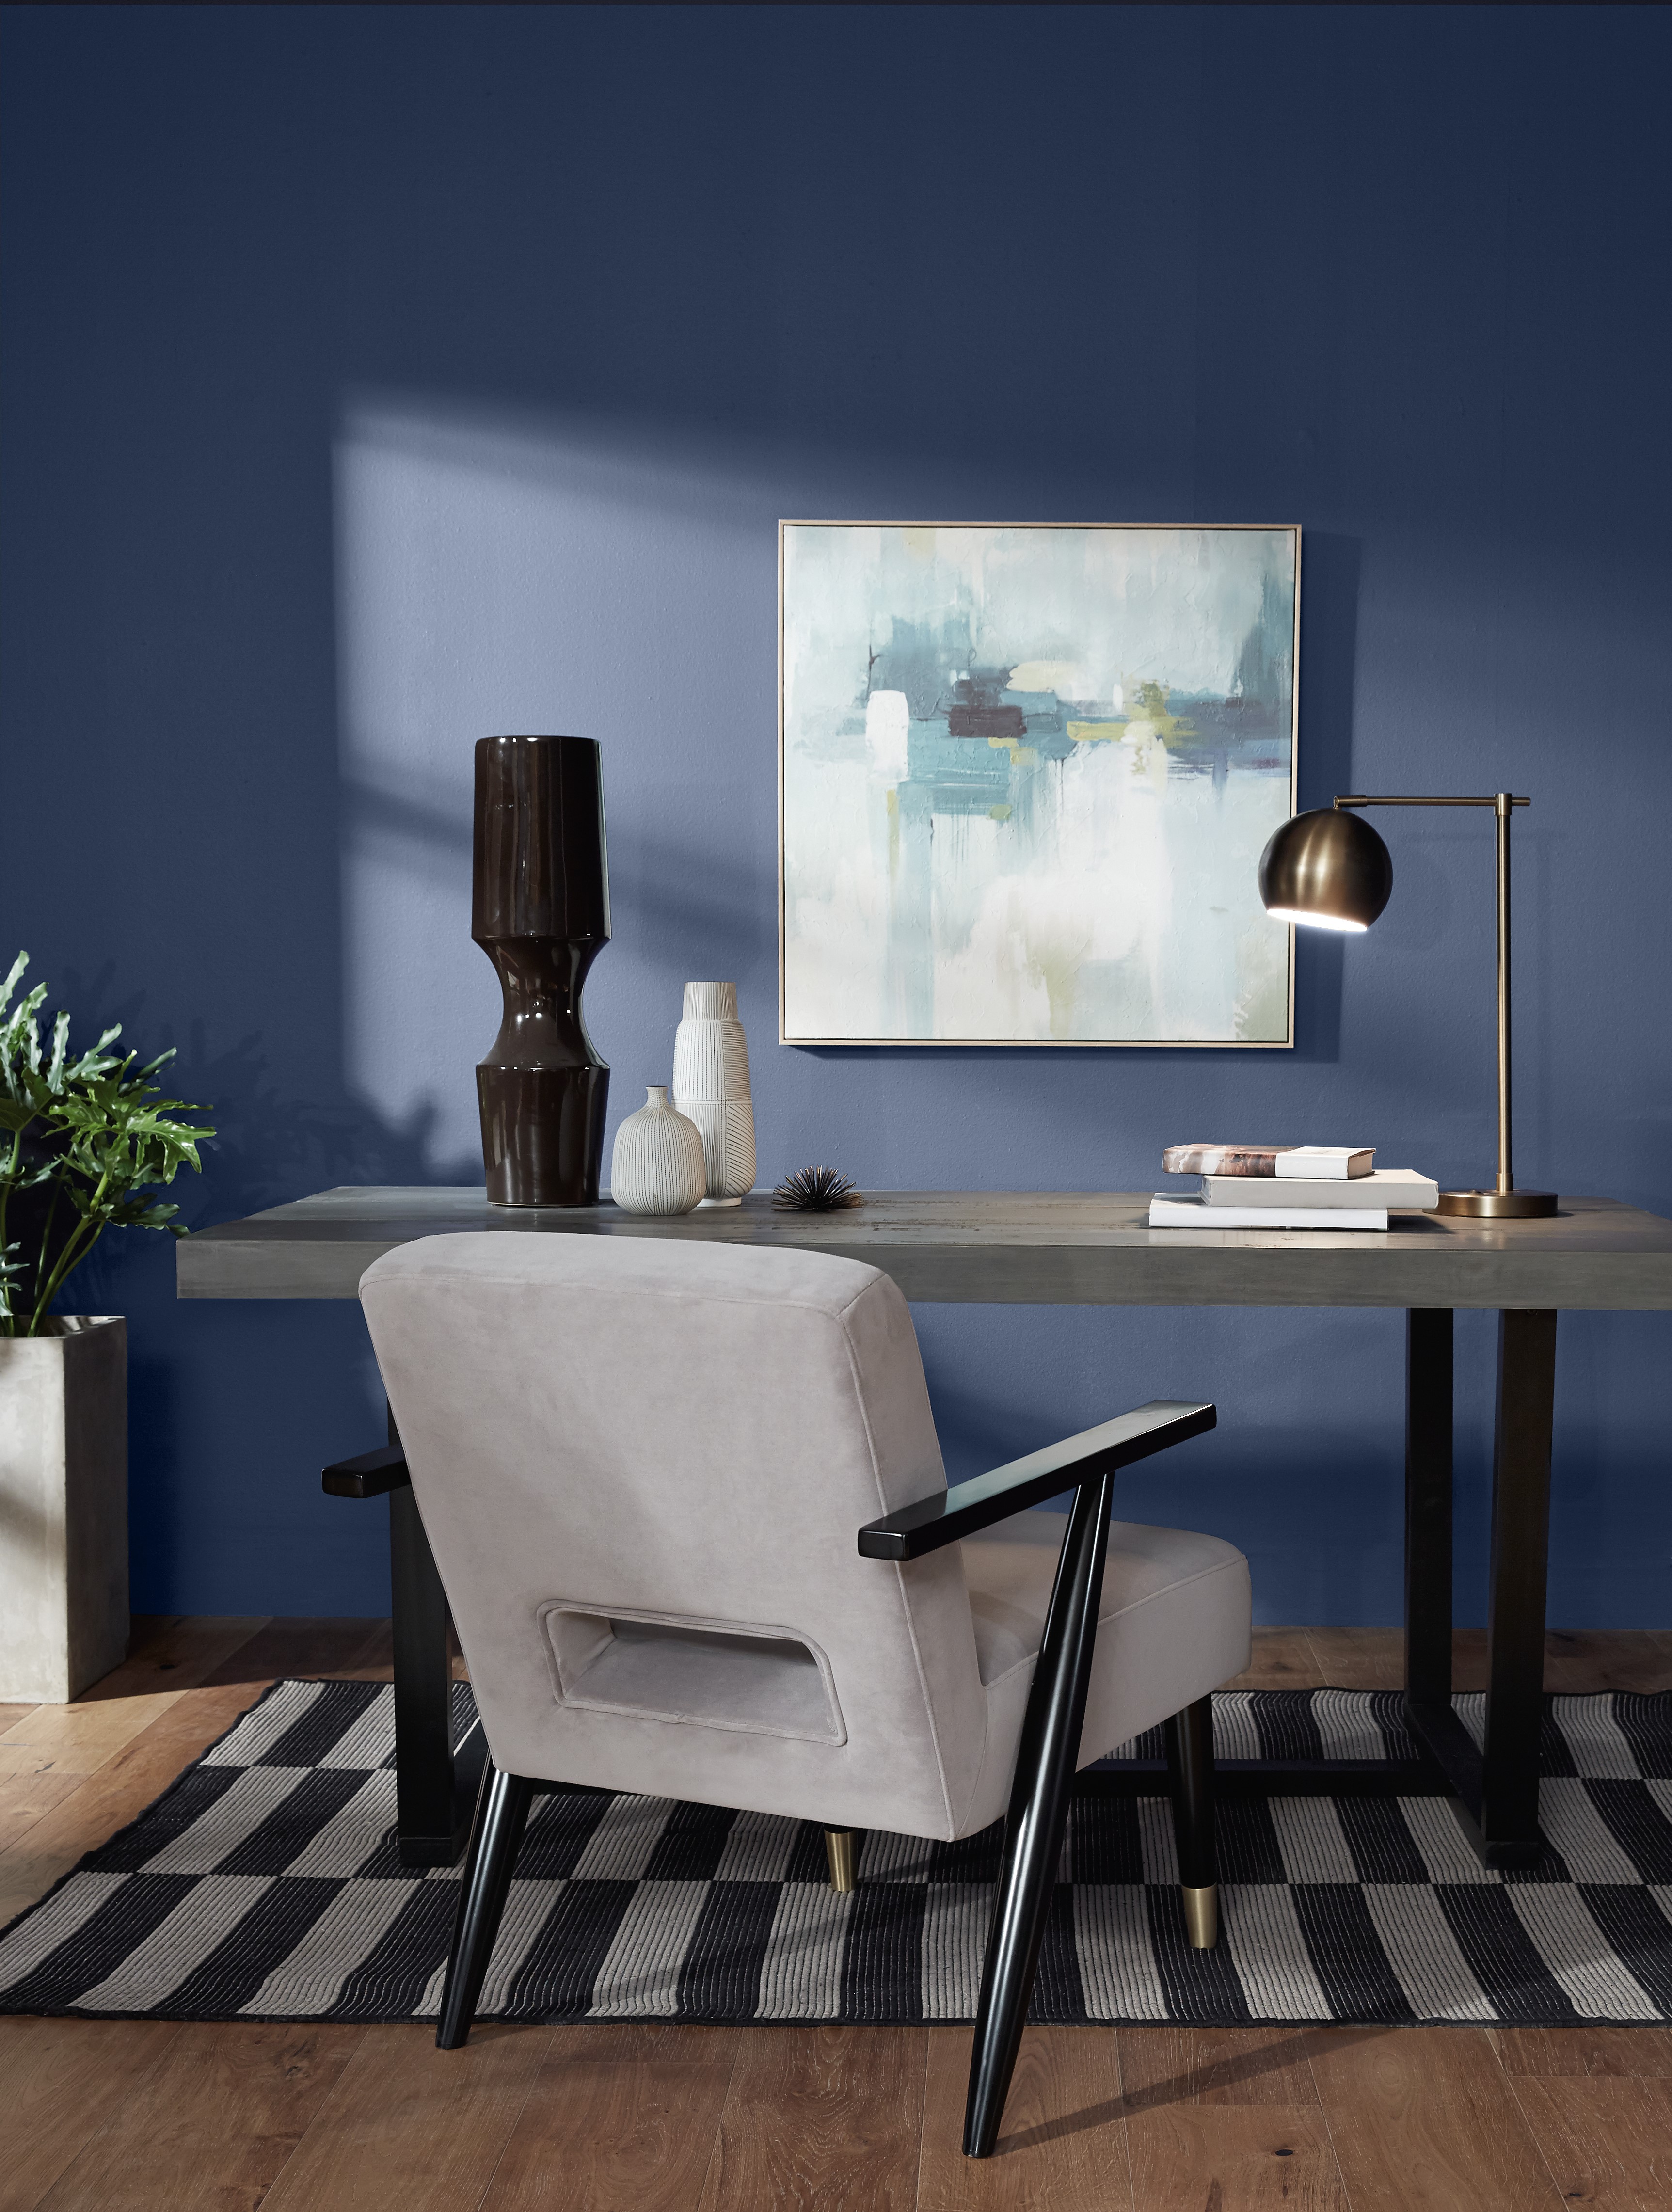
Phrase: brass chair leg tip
{"type": "Point", "coordinates": [842, 1856]}
{"type": "Point", "coordinates": [1201, 1916]}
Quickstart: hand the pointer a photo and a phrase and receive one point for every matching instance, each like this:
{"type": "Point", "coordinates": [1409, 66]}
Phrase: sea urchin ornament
{"type": "Point", "coordinates": [815, 1190]}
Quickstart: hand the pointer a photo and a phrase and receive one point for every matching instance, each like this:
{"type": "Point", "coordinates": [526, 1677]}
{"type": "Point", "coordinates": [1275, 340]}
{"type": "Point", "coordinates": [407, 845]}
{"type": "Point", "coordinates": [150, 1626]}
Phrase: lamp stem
{"type": "Point", "coordinates": [1504, 1201]}
{"type": "Point", "coordinates": [1502, 803]}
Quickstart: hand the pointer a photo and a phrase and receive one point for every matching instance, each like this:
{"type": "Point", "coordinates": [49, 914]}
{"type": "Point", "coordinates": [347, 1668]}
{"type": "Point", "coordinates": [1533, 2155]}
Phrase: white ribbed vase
{"type": "Point", "coordinates": [711, 1085]}
{"type": "Point", "coordinates": [657, 1165]}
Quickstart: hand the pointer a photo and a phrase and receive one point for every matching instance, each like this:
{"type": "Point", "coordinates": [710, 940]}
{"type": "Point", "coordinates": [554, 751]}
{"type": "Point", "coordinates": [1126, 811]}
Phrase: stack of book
{"type": "Point", "coordinates": [1287, 1186]}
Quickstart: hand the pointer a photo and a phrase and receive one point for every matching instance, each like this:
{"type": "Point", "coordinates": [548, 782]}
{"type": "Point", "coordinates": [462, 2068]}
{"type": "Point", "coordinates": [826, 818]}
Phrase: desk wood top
{"type": "Point", "coordinates": [1003, 1247]}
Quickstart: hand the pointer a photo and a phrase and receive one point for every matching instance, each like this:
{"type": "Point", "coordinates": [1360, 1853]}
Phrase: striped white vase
{"type": "Point", "coordinates": [711, 1085]}
{"type": "Point", "coordinates": [656, 1164]}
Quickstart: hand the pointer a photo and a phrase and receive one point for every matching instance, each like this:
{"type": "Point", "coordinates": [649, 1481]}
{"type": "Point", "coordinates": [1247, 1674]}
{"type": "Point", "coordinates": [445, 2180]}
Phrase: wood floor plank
{"type": "Point", "coordinates": [1283, 1660]}
{"type": "Point", "coordinates": [1644, 2052]}
{"type": "Point", "coordinates": [1167, 2063]}
{"type": "Point", "coordinates": [175, 1652]}
{"type": "Point", "coordinates": [212, 2124]}
{"type": "Point", "coordinates": [820, 2117]}
{"type": "Point", "coordinates": [1249, 2156]}
{"type": "Point", "coordinates": [1061, 2145]}
{"type": "Point", "coordinates": [620, 2119]}
{"type": "Point", "coordinates": [1607, 2139]}
{"type": "Point", "coordinates": [407, 2128]}
{"type": "Point", "coordinates": [1469, 1659]}
{"type": "Point", "coordinates": [1577, 1661]}
{"type": "Point", "coordinates": [79, 1737]}
{"type": "Point", "coordinates": [121, 1790]}
{"type": "Point", "coordinates": [1426, 2116]}
{"type": "Point", "coordinates": [298, 1648]}
{"type": "Point", "coordinates": [376, 1659]}
{"type": "Point", "coordinates": [1359, 1658]}
{"type": "Point", "coordinates": [24, 1797]}
{"type": "Point", "coordinates": [1580, 1660]}
{"type": "Point", "coordinates": [60, 2081]}
{"type": "Point", "coordinates": [1231, 2109]}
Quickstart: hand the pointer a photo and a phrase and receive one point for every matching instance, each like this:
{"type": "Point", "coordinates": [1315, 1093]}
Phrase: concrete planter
{"type": "Point", "coordinates": [63, 1509]}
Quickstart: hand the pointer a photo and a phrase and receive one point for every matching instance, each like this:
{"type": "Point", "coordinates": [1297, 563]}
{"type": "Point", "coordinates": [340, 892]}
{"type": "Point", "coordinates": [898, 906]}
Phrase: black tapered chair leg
{"type": "Point", "coordinates": [502, 1811]}
{"type": "Point", "coordinates": [1038, 1812]}
{"type": "Point", "coordinates": [1190, 1769]}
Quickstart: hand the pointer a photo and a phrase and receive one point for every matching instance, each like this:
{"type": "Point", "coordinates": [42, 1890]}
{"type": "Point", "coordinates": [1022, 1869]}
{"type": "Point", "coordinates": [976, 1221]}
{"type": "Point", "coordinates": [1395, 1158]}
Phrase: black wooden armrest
{"type": "Point", "coordinates": [930, 1523]}
{"type": "Point", "coordinates": [368, 1476]}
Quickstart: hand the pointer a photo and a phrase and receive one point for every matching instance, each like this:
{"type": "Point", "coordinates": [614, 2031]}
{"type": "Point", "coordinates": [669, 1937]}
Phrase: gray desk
{"type": "Point", "coordinates": [1089, 1248]}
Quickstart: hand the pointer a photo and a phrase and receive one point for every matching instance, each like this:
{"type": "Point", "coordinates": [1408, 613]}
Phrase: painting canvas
{"type": "Point", "coordinates": [1027, 773]}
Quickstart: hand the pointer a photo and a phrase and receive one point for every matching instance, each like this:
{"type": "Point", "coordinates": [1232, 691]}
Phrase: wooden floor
{"type": "Point", "coordinates": [128, 2115]}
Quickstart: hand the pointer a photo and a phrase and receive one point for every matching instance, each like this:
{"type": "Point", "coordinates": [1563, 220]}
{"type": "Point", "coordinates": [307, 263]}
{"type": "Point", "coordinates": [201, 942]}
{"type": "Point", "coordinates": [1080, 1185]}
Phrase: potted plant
{"type": "Point", "coordinates": [84, 1142]}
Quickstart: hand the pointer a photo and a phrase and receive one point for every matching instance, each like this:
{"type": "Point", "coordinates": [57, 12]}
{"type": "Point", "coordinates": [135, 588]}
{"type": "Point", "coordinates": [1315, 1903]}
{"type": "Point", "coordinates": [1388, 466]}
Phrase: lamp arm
{"type": "Point", "coordinates": [1502, 803]}
{"type": "Point", "coordinates": [1493, 799]}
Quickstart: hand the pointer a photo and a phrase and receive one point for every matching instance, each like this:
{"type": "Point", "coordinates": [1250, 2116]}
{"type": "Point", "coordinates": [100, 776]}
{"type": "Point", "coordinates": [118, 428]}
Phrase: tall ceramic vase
{"type": "Point", "coordinates": [540, 910]}
{"type": "Point", "coordinates": [711, 1088]}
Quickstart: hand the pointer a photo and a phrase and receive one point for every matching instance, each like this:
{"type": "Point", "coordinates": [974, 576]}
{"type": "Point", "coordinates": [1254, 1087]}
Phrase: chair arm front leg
{"type": "Point", "coordinates": [930, 1523]}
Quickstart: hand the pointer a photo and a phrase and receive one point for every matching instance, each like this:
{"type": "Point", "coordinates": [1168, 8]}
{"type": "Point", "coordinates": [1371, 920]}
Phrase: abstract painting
{"type": "Point", "coordinates": [1026, 774]}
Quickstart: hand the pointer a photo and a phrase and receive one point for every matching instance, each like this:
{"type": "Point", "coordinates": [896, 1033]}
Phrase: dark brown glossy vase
{"type": "Point", "coordinates": [540, 910]}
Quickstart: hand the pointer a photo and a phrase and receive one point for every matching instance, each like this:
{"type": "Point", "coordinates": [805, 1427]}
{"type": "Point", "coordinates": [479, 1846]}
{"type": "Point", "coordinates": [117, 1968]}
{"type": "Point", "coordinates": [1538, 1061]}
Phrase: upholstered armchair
{"type": "Point", "coordinates": [688, 1505]}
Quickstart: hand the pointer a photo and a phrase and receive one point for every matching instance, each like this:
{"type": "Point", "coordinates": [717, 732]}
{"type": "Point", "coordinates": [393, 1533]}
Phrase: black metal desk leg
{"type": "Point", "coordinates": [432, 1792]}
{"type": "Point", "coordinates": [1428, 1714]}
{"type": "Point", "coordinates": [1428, 1506]}
{"type": "Point", "coordinates": [1520, 1560]}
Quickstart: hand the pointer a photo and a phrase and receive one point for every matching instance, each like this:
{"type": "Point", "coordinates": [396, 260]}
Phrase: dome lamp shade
{"type": "Point", "coordinates": [1326, 870]}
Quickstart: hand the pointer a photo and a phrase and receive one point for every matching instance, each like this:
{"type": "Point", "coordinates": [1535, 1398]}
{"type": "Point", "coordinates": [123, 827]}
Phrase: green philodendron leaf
{"type": "Point", "coordinates": [109, 1139]}
{"type": "Point", "coordinates": [134, 1215]}
{"type": "Point", "coordinates": [23, 1015]}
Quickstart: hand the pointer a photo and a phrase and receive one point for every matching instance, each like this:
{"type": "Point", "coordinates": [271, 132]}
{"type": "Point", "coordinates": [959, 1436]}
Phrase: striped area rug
{"type": "Point", "coordinates": [265, 1885]}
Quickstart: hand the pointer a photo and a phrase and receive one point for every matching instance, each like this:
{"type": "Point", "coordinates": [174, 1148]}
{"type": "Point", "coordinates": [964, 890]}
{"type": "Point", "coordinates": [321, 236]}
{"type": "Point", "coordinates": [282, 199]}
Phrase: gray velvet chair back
{"type": "Point", "coordinates": [641, 1464]}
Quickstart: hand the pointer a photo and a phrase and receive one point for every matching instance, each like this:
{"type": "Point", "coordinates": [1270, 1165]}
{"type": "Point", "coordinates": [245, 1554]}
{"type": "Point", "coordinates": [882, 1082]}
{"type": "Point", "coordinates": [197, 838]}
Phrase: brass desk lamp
{"type": "Point", "coordinates": [1329, 870]}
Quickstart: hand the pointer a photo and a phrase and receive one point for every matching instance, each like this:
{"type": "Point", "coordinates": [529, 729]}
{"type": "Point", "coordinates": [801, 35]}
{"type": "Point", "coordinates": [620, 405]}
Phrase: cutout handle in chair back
{"type": "Point", "coordinates": [765, 1680]}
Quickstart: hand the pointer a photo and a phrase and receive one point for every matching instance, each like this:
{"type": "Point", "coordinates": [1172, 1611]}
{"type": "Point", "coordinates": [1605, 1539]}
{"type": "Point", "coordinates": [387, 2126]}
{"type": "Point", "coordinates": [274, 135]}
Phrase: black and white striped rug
{"type": "Point", "coordinates": [265, 1885]}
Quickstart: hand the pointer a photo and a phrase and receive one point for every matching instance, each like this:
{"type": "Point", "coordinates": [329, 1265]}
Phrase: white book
{"type": "Point", "coordinates": [1325, 1163]}
{"type": "Point", "coordinates": [1196, 1213]}
{"type": "Point", "coordinates": [1400, 1187]}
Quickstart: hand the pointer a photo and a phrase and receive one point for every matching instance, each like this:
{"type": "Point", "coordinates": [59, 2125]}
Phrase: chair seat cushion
{"type": "Point", "coordinates": [1173, 1624]}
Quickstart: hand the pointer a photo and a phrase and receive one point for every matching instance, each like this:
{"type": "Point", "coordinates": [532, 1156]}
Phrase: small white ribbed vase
{"type": "Point", "coordinates": [711, 1085]}
{"type": "Point", "coordinates": [657, 1164]}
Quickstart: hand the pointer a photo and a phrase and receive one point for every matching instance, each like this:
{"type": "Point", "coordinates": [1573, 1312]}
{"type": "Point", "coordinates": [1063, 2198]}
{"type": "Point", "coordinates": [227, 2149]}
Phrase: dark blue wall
{"type": "Point", "coordinates": [376, 378]}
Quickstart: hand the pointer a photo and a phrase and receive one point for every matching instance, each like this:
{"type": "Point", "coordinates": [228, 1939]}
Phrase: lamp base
{"type": "Point", "coordinates": [1499, 1205]}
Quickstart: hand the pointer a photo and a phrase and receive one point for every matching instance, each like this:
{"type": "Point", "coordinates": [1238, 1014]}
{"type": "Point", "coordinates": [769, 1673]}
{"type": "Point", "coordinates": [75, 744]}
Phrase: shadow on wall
{"type": "Point", "coordinates": [232, 1408]}
{"type": "Point", "coordinates": [512, 577]}
{"type": "Point", "coordinates": [269, 1145]}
